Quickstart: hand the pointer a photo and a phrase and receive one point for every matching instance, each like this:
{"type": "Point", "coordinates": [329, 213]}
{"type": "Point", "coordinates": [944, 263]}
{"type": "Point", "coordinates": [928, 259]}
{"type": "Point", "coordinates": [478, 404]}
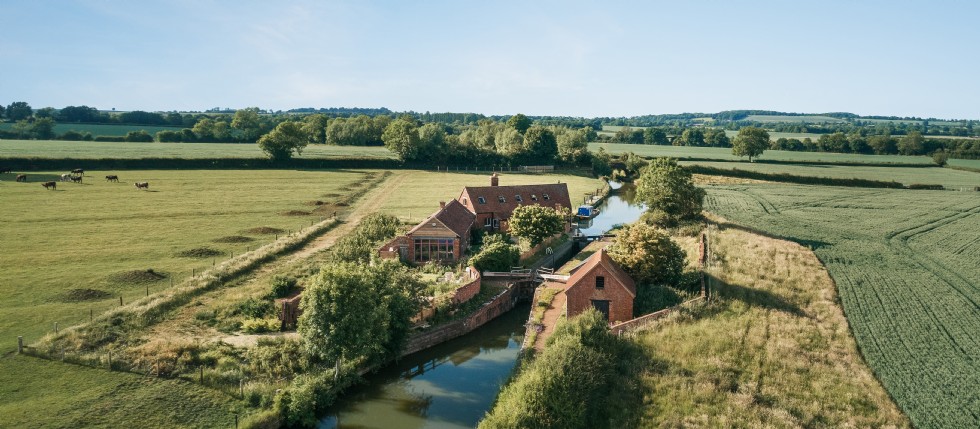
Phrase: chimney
{"type": "Point", "coordinates": [494, 180]}
{"type": "Point", "coordinates": [442, 204]}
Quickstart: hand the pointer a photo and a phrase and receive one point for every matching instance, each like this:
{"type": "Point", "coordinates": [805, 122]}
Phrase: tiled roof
{"type": "Point", "coordinates": [529, 195]}
{"type": "Point", "coordinates": [454, 216]}
{"type": "Point", "coordinates": [601, 257]}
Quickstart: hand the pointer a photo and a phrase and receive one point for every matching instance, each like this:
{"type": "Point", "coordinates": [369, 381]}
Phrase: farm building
{"type": "Point", "coordinates": [443, 236]}
{"type": "Point", "coordinates": [597, 282]}
{"type": "Point", "coordinates": [494, 204]}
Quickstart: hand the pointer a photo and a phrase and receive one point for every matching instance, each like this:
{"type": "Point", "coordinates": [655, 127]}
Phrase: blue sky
{"type": "Point", "coordinates": [576, 58]}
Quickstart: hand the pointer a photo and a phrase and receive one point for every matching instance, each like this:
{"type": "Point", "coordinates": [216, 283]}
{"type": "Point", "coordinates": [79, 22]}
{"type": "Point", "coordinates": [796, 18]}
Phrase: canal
{"type": "Point", "coordinates": [454, 384]}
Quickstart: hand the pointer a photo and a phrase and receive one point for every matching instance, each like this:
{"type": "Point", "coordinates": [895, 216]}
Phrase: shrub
{"type": "Point", "coordinates": [258, 326]}
{"type": "Point", "coordinates": [496, 256]}
{"type": "Point", "coordinates": [139, 136]}
{"type": "Point", "coordinates": [282, 286]}
{"type": "Point", "coordinates": [255, 308]}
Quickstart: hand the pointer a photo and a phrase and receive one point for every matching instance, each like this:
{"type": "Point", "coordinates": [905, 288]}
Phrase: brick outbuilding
{"type": "Point", "coordinates": [442, 237]}
{"type": "Point", "coordinates": [601, 283]}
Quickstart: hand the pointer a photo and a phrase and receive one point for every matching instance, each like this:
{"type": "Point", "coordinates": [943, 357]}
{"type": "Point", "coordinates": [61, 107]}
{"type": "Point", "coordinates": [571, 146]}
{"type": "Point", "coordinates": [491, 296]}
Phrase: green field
{"type": "Point", "coordinates": [905, 264]}
{"type": "Point", "coordinates": [87, 236]}
{"type": "Point", "coordinates": [722, 154]}
{"type": "Point", "coordinates": [102, 129]}
{"type": "Point", "coordinates": [95, 150]}
{"type": "Point", "coordinates": [951, 179]}
{"type": "Point", "coordinates": [776, 135]}
{"type": "Point", "coordinates": [965, 163]}
{"type": "Point", "coordinates": [811, 119]}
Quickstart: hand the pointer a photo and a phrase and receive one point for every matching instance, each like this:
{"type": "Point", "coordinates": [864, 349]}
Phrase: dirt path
{"type": "Point", "coordinates": [550, 319]}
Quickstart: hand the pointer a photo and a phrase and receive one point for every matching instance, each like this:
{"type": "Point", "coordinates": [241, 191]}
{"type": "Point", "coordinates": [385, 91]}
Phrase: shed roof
{"type": "Point", "coordinates": [602, 258]}
{"type": "Point", "coordinates": [454, 216]}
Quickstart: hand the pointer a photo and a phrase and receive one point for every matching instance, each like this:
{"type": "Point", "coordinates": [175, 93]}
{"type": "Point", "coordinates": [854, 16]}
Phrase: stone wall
{"type": "Point", "coordinates": [499, 304]}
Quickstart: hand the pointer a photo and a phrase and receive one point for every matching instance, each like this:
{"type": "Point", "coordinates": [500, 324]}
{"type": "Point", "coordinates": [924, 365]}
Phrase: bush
{"type": "Point", "coordinates": [139, 136]}
{"type": "Point", "coordinates": [255, 308]}
{"type": "Point", "coordinates": [259, 326]}
{"type": "Point", "coordinates": [282, 286]}
{"type": "Point", "coordinates": [496, 256]}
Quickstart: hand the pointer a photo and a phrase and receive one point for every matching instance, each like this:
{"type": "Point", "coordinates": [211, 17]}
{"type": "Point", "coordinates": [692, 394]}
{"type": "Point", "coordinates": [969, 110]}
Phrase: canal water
{"type": "Point", "coordinates": [454, 384]}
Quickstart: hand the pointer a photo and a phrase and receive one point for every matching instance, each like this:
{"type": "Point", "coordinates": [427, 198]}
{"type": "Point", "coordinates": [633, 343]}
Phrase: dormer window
{"type": "Point", "coordinates": [534, 197]}
{"type": "Point", "coordinates": [546, 196]}
{"type": "Point", "coordinates": [600, 282]}
{"type": "Point", "coordinates": [518, 198]}
{"type": "Point", "coordinates": [482, 200]}
{"type": "Point", "coordinates": [501, 198]}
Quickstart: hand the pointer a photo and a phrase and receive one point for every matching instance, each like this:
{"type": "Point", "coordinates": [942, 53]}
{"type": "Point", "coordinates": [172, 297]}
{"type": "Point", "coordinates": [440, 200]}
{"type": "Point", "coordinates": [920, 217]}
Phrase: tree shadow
{"type": "Point", "coordinates": [752, 297]}
{"type": "Point", "coordinates": [811, 244]}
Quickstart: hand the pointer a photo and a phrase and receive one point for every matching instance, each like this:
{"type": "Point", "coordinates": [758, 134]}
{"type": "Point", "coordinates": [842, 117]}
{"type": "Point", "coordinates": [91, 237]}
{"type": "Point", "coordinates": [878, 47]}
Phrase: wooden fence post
{"type": "Point", "coordinates": [202, 375]}
{"type": "Point", "coordinates": [56, 328]}
{"type": "Point", "coordinates": [120, 300]}
{"type": "Point", "coordinates": [91, 315]}
{"type": "Point", "coordinates": [110, 360]}
{"type": "Point", "coordinates": [20, 344]}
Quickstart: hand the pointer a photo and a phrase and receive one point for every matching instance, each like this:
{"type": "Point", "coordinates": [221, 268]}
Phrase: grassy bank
{"type": "Point", "coordinates": [836, 175]}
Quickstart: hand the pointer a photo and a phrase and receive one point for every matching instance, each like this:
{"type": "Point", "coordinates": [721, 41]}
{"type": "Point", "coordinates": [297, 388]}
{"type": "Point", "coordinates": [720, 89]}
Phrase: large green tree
{"type": "Point", "coordinates": [540, 145]}
{"type": "Point", "coordinates": [401, 137]}
{"type": "Point", "coordinates": [19, 110]}
{"type": "Point", "coordinates": [354, 311]}
{"type": "Point", "coordinates": [573, 145]}
{"type": "Point", "coordinates": [315, 127]}
{"type": "Point", "coordinates": [248, 121]}
{"type": "Point", "coordinates": [666, 187]}
{"type": "Point", "coordinates": [520, 122]}
{"type": "Point", "coordinates": [534, 223]}
{"type": "Point", "coordinates": [912, 144]}
{"type": "Point", "coordinates": [280, 143]}
{"type": "Point", "coordinates": [692, 137]}
{"type": "Point", "coordinates": [751, 141]}
{"type": "Point", "coordinates": [654, 135]}
{"type": "Point", "coordinates": [651, 258]}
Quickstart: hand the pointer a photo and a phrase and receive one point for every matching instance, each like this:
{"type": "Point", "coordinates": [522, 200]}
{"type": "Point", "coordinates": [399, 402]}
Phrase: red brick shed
{"type": "Point", "coordinates": [601, 283]}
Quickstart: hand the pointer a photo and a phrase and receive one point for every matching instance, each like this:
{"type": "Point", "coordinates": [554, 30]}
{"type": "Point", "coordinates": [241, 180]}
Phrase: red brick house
{"type": "Point", "coordinates": [601, 283]}
{"type": "Point", "coordinates": [494, 204]}
{"type": "Point", "coordinates": [442, 237]}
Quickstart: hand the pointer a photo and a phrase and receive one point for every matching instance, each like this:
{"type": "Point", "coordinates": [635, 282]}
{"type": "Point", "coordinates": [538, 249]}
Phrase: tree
{"type": "Point", "coordinates": [540, 145]}
{"type": "Point", "coordinates": [280, 143]}
{"type": "Point", "coordinates": [139, 136]}
{"type": "Point", "coordinates": [650, 257]}
{"type": "Point", "coordinates": [3, 111]}
{"type": "Point", "coordinates": [42, 128]}
{"type": "Point", "coordinates": [520, 122]}
{"type": "Point", "coordinates": [47, 112]}
{"type": "Point", "coordinates": [535, 223]}
{"type": "Point", "coordinates": [573, 146]}
{"type": "Point", "coordinates": [315, 126]}
{"type": "Point", "coordinates": [79, 114]}
{"type": "Point", "coordinates": [432, 140]}
{"type": "Point", "coordinates": [600, 163]}
{"type": "Point", "coordinates": [354, 311]}
{"type": "Point", "coordinates": [654, 135]}
{"type": "Point", "coordinates": [509, 142]}
{"type": "Point", "coordinates": [940, 157]}
{"type": "Point", "coordinates": [19, 110]}
{"type": "Point", "coordinates": [717, 138]}
{"type": "Point", "coordinates": [402, 138]}
{"type": "Point", "coordinates": [248, 121]}
{"type": "Point", "coordinates": [693, 137]}
{"type": "Point", "coordinates": [883, 144]}
{"type": "Point", "coordinates": [751, 141]}
{"type": "Point", "coordinates": [912, 144]}
{"type": "Point", "coordinates": [496, 256]}
{"type": "Point", "coordinates": [667, 187]}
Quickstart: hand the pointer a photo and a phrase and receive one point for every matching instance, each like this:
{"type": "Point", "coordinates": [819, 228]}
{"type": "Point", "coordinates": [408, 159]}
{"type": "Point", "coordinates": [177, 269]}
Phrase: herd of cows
{"type": "Point", "coordinates": [75, 176]}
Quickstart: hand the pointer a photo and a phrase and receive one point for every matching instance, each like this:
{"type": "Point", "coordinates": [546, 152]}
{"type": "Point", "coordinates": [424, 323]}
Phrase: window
{"type": "Point", "coordinates": [501, 198]}
{"type": "Point", "coordinates": [482, 200]}
{"type": "Point", "coordinates": [518, 198]}
{"type": "Point", "coordinates": [546, 196]}
{"type": "Point", "coordinates": [488, 222]}
{"type": "Point", "coordinates": [434, 249]}
{"type": "Point", "coordinates": [600, 282]}
{"type": "Point", "coordinates": [534, 197]}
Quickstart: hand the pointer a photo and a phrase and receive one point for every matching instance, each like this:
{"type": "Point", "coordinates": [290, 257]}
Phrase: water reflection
{"type": "Point", "coordinates": [451, 385]}
{"type": "Point", "coordinates": [617, 209]}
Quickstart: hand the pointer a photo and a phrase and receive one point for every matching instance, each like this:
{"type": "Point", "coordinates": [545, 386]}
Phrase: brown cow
{"type": "Point", "coordinates": [143, 185]}
{"type": "Point", "coordinates": [21, 178]}
{"type": "Point", "coordinates": [75, 179]}
{"type": "Point", "coordinates": [50, 185]}
{"type": "Point", "coordinates": [78, 171]}
{"type": "Point", "coordinates": [112, 178]}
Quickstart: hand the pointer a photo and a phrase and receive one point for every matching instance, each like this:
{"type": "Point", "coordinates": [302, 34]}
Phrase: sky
{"type": "Point", "coordinates": [563, 58]}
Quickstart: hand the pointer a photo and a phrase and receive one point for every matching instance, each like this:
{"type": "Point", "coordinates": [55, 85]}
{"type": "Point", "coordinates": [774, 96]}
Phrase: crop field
{"type": "Point", "coordinates": [102, 129]}
{"type": "Point", "coordinates": [126, 150]}
{"type": "Point", "coordinates": [776, 135]}
{"type": "Point", "coordinates": [951, 179]}
{"type": "Point", "coordinates": [812, 119]}
{"type": "Point", "coordinates": [725, 154]}
{"type": "Point", "coordinates": [905, 264]}
{"type": "Point", "coordinates": [80, 248]}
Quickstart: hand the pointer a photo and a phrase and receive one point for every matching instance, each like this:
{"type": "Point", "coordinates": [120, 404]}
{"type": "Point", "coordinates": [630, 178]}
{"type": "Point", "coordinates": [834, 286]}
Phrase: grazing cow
{"type": "Point", "coordinates": [50, 185]}
{"type": "Point", "coordinates": [143, 185]}
{"type": "Point", "coordinates": [112, 178]}
{"type": "Point", "coordinates": [21, 178]}
{"type": "Point", "coordinates": [78, 171]}
{"type": "Point", "coordinates": [5, 170]}
{"type": "Point", "coordinates": [75, 179]}
{"type": "Point", "coordinates": [65, 177]}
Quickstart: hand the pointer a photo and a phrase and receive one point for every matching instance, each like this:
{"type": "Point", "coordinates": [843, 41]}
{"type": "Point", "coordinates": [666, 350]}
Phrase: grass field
{"type": "Point", "coordinates": [102, 129]}
{"type": "Point", "coordinates": [951, 179]}
{"type": "Point", "coordinates": [83, 150]}
{"type": "Point", "coordinates": [773, 349]}
{"type": "Point", "coordinates": [905, 264]}
{"type": "Point", "coordinates": [812, 119]}
{"type": "Point", "coordinates": [95, 238]}
{"type": "Point", "coordinates": [776, 135]}
{"type": "Point", "coordinates": [722, 154]}
{"type": "Point", "coordinates": [965, 163]}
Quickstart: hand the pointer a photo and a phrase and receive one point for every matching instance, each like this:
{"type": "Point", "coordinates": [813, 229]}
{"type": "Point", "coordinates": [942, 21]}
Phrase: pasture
{"type": "Point", "coordinates": [905, 265]}
{"type": "Point", "coordinates": [725, 154]}
{"type": "Point", "coordinates": [772, 349]}
{"type": "Point", "coordinates": [810, 119]}
{"type": "Point", "coordinates": [128, 150]}
{"type": "Point", "coordinates": [117, 130]}
{"type": "Point", "coordinates": [80, 248]}
{"type": "Point", "coordinates": [951, 179]}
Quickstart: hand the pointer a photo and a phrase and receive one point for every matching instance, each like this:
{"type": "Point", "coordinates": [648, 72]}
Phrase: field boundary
{"type": "Point", "coordinates": [791, 178]}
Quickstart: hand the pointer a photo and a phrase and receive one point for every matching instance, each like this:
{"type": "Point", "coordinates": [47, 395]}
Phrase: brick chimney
{"type": "Point", "coordinates": [442, 204]}
{"type": "Point", "coordinates": [494, 180]}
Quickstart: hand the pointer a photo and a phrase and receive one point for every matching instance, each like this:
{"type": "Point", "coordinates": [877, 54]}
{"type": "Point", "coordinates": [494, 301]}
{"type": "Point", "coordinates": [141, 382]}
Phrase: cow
{"type": "Point", "coordinates": [65, 177]}
{"type": "Point", "coordinates": [143, 185]}
{"type": "Point", "coordinates": [5, 170]}
{"type": "Point", "coordinates": [75, 179]}
{"type": "Point", "coordinates": [112, 178]}
{"type": "Point", "coordinates": [78, 171]}
{"type": "Point", "coordinates": [21, 178]}
{"type": "Point", "coordinates": [50, 185]}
